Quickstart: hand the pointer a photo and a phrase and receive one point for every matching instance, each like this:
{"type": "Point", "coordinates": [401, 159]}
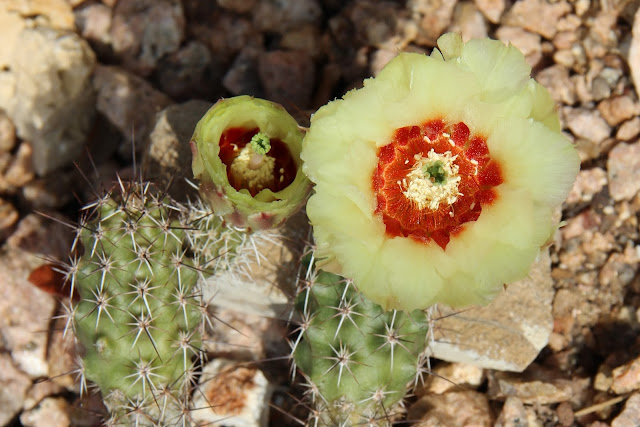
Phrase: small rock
{"type": "Point", "coordinates": [228, 35]}
{"type": "Point", "coordinates": [19, 170]}
{"type": "Point", "coordinates": [528, 43]}
{"type": "Point", "coordinates": [630, 415]}
{"type": "Point", "coordinates": [629, 129]}
{"type": "Point", "coordinates": [25, 311]}
{"type": "Point", "coordinates": [190, 73]}
{"type": "Point", "coordinates": [39, 391]}
{"type": "Point", "coordinates": [129, 102]}
{"type": "Point", "coordinates": [556, 80]}
{"type": "Point", "coordinates": [468, 21]}
{"type": "Point", "coordinates": [7, 133]}
{"type": "Point", "coordinates": [242, 75]}
{"type": "Point", "coordinates": [13, 389]}
{"type": "Point", "coordinates": [633, 58]}
{"type": "Point", "coordinates": [306, 39]}
{"type": "Point", "coordinates": [50, 192]}
{"type": "Point", "coordinates": [287, 77]}
{"type": "Point", "coordinates": [623, 168]}
{"type": "Point", "coordinates": [538, 16]}
{"type": "Point", "coordinates": [587, 124]}
{"type": "Point", "coordinates": [143, 31]}
{"type": "Point", "coordinates": [565, 415]}
{"type": "Point", "coordinates": [94, 25]}
{"type": "Point", "coordinates": [232, 395]}
{"type": "Point", "coordinates": [45, 237]}
{"type": "Point", "coordinates": [513, 413]}
{"type": "Point", "coordinates": [432, 18]}
{"type": "Point", "coordinates": [534, 386]}
{"type": "Point", "coordinates": [8, 218]}
{"type": "Point", "coordinates": [452, 376]}
{"type": "Point", "coordinates": [48, 94]}
{"type": "Point", "coordinates": [456, 408]}
{"type": "Point", "coordinates": [168, 159]}
{"type": "Point", "coordinates": [381, 25]}
{"type": "Point", "coordinates": [626, 378]}
{"type": "Point", "coordinates": [280, 16]}
{"type": "Point", "coordinates": [618, 109]}
{"type": "Point", "coordinates": [603, 378]}
{"type": "Point", "coordinates": [565, 39]}
{"type": "Point", "coordinates": [589, 182]}
{"type": "Point", "coordinates": [492, 9]}
{"type": "Point", "coordinates": [523, 313]}
{"type": "Point", "coordinates": [51, 412]}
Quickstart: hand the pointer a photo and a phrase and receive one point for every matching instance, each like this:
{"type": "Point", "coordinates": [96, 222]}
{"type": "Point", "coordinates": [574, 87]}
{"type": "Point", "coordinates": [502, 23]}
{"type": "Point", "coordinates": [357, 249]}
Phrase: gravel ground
{"type": "Point", "coordinates": [81, 86]}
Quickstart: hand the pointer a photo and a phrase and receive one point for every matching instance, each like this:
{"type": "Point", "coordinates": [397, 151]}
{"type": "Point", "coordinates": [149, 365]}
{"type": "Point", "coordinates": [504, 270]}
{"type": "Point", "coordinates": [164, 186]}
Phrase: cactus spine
{"type": "Point", "coordinates": [357, 359]}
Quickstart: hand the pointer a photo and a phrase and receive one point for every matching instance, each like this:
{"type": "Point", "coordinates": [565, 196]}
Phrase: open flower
{"type": "Point", "coordinates": [246, 154]}
{"type": "Point", "coordinates": [436, 182]}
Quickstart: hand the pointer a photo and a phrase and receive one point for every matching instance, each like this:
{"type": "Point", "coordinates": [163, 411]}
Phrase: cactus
{"type": "Point", "coordinates": [358, 360]}
{"type": "Point", "coordinates": [140, 315]}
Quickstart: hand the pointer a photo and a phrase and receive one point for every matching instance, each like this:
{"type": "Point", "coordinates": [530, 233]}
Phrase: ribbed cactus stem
{"type": "Point", "coordinates": [358, 360]}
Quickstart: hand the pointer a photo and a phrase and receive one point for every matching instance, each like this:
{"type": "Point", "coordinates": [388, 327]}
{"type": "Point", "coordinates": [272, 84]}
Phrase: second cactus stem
{"type": "Point", "coordinates": [359, 361]}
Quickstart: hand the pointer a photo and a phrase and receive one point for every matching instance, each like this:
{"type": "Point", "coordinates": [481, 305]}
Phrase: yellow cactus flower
{"type": "Point", "coordinates": [436, 182]}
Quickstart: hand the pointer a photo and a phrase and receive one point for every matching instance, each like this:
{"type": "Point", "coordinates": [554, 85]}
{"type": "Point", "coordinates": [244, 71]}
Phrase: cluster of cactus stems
{"type": "Point", "coordinates": [140, 319]}
{"type": "Point", "coordinates": [136, 303]}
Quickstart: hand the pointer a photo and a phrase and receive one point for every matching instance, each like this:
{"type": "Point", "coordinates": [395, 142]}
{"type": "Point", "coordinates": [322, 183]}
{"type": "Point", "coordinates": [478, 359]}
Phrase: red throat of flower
{"type": "Point", "coordinates": [432, 179]}
{"type": "Point", "coordinates": [280, 174]}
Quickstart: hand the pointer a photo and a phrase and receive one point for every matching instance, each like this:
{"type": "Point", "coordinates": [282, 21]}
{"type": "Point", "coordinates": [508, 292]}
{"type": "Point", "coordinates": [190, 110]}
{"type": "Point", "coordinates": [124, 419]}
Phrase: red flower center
{"type": "Point", "coordinates": [233, 140]}
{"type": "Point", "coordinates": [432, 179]}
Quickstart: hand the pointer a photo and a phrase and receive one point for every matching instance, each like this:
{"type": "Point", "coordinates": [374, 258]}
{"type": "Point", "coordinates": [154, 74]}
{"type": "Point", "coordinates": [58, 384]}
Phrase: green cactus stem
{"type": "Point", "coordinates": [358, 361]}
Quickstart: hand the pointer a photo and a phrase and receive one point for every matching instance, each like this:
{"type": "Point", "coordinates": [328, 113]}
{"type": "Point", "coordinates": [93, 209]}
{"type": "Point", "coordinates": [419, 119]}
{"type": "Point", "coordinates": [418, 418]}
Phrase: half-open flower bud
{"type": "Point", "coordinates": [246, 154]}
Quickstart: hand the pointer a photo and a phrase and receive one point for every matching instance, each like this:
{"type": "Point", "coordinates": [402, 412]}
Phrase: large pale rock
{"type": "Point", "coordinates": [507, 334]}
{"type": "Point", "coordinates": [46, 90]}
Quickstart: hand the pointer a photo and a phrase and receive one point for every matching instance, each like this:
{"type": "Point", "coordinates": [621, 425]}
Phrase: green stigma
{"type": "Point", "coordinates": [260, 143]}
{"type": "Point", "coordinates": [435, 172]}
